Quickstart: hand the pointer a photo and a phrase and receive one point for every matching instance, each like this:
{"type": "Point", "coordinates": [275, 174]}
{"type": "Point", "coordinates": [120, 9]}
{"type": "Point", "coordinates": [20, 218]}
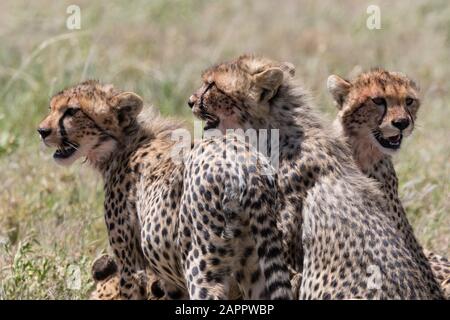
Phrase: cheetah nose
{"type": "Point", "coordinates": [401, 124]}
{"type": "Point", "coordinates": [44, 132]}
{"type": "Point", "coordinates": [191, 101]}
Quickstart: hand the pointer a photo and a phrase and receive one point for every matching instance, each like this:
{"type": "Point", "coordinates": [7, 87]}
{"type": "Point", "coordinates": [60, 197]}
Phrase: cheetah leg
{"type": "Point", "coordinates": [207, 281]}
{"type": "Point", "coordinates": [268, 254]}
{"type": "Point", "coordinates": [250, 278]}
{"type": "Point", "coordinates": [130, 286]}
{"type": "Point", "coordinates": [257, 281]}
{"type": "Point", "coordinates": [130, 260]}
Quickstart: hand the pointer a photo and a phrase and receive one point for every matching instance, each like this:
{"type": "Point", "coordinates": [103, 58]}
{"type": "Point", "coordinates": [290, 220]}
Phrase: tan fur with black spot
{"type": "Point", "coordinates": [360, 119]}
{"type": "Point", "coordinates": [201, 229]}
{"type": "Point", "coordinates": [337, 232]}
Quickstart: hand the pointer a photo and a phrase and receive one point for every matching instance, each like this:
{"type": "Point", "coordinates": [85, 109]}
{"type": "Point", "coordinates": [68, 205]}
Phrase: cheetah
{"type": "Point", "coordinates": [195, 226]}
{"type": "Point", "coordinates": [347, 247]}
{"type": "Point", "coordinates": [377, 110]}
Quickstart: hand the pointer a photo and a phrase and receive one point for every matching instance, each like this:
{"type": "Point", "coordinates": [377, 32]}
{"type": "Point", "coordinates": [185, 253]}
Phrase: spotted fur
{"type": "Point", "coordinates": [106, 277]}
{"type": "Point", "coordinates": [360, 118]}
{"type": "Point", "coordinates": [347, 246]}
{"type": "Point", "coordinates": [106, 280]}
{"type": "Point", "coordinates": [188, 223]}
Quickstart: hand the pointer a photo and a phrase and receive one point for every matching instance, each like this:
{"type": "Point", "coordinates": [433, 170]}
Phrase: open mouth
{"type": "Point", "coordinates": [66, 150]}
{"type": "Point", "coordinates": [211, 122]}
{"type": "Point", "coordinates": [393, 142]}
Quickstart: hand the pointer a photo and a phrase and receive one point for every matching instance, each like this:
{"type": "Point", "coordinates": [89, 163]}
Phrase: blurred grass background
{"type": "Point", "coordinates": [51, 217]}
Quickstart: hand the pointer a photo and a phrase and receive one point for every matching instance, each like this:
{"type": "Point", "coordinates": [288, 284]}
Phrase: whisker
{"type": "Point", "coordinates": [73, 145]}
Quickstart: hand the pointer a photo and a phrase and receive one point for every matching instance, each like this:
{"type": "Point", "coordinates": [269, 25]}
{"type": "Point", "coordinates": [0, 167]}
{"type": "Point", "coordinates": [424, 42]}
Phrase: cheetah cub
{"type": "Point", "coordinates": [200, 225]}
{"type": "Point", "coordinates": [377, 110]}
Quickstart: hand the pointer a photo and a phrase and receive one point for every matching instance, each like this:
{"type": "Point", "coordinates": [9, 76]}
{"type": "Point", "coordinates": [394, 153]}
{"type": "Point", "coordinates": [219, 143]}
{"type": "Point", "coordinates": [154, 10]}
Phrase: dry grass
{"type": "Point", "coordinates": [51, 217]}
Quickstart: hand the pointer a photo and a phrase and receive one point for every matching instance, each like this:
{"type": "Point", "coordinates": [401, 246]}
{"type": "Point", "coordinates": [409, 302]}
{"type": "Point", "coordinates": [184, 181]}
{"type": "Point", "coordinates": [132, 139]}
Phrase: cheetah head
{"type": "Point", "coordinates": [237, 94]}
{"type": "Point", "coordinates": [378, 107]}
{"type": "Point", "coordinates": [88, 120]}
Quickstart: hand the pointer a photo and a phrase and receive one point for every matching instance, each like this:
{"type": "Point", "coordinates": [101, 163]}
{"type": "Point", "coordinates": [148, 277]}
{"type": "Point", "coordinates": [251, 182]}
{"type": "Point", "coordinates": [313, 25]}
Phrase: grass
{"type": "Point", "coordinates": [51, 217]}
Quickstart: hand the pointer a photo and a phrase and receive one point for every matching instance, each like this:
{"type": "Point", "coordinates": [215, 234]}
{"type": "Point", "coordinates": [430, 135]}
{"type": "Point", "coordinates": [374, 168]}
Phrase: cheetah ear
{"type": "Point", "coordinates": [288, 67]}
{"type": "Point", "coordinates": [128, 105]}
{"type": "Point", "coordinates": [339, 89]}
{"type": "Point", "coordinates": [269, 81]}
{"type": "Point", "coordinates": [104, 267]}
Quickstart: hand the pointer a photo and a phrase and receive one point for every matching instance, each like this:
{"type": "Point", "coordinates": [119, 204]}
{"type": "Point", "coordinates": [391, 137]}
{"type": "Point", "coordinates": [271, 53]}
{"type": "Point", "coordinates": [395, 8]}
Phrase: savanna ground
{"type": "Point", "coordinates": [51, 217]}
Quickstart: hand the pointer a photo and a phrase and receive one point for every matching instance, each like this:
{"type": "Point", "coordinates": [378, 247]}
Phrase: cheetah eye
{"type": "Point", "coordinates": [409, 101]}
{"type": "Point", "coordinates": [71, 111]}
{"type": "Point", "coordinates": [209, 85]}
{"type": "Point", "coordinates": [379, 101]}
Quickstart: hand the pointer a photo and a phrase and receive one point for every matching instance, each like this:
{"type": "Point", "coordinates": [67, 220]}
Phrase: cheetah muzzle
{"type": "Point", "coordinates": [66, 150]}
{"type": "Point", "coordinates": [393, 142]}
